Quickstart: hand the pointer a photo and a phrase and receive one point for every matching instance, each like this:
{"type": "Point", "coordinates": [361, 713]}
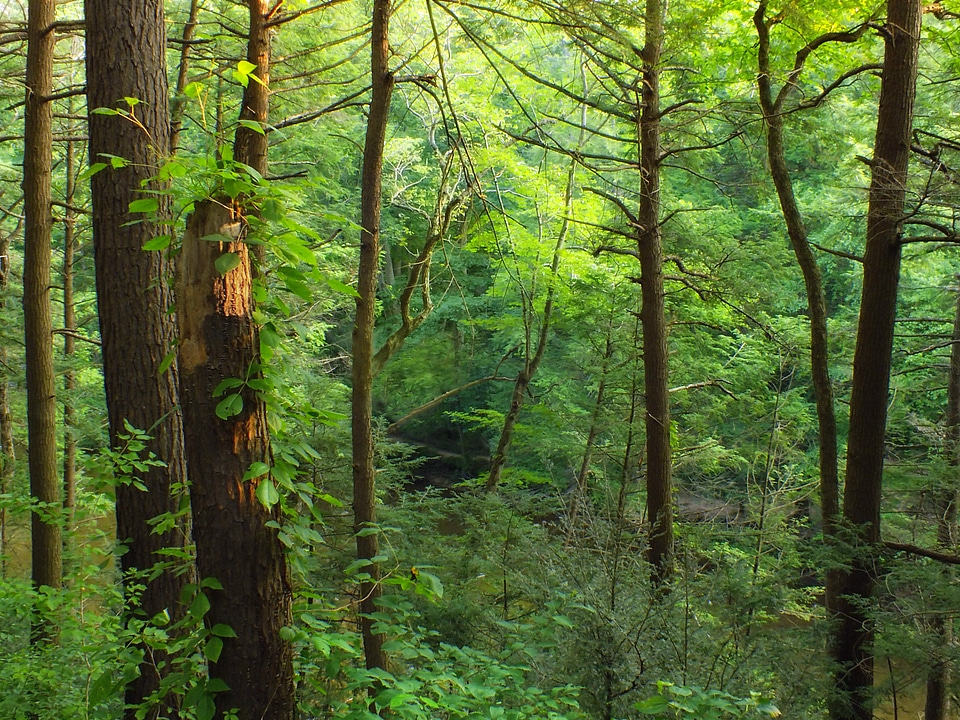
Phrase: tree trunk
{"type": "Point", "coordinates": [38, 321]}
{"type": "Point", "coordinates": [364, 472]}
{"type": "Point", "coordinates": [218, 341]}
{"type": "Point", "coordinates": [937, 706]}
{"type": "Point", "coordinates": [8, 455]}
{"type": "Point", "coordinates": [853, 644]}
{"type": "Point", "coordinates": [816, 300]}
{"type": "Point", "coordinates": [125, 58]}
{"type": "Point", "coordinates": [69, 345]}
{"type": "Point", "coordinates": [250, 146]}
{"type": "Point", "coordinates": [652, 311]}
{"type": "Point", "coordinates": [178, 104]}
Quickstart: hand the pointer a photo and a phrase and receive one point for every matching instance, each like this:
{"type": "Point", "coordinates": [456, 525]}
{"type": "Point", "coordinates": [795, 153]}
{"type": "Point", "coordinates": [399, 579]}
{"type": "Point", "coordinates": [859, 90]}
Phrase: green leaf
{"type": "Point", "coordinates": [206, 708]}
{"type": "Point", "coordinates": [199, 607]}
{"type": "Point", "coordinates": [653, 706]}
{"type": "Point", "coordinates": [167, 361]}
{"type": "Point", "coordinates": [267, 493]}
{"type": "Point", "coordinates": [92, 170]}
{"type": "Point", "coordinates": [212, 648]}
{"type": "Point", "coordinates": [193, 90]}
{"type": "Point", "coordinates": [228, 407]}
{"type": "Point", "coordinates": [131, 101]}
{"type": "Point", "coordinates": [144, 205]}
{"type": "Point", "coordinates": [246, 67]}
{"type": "Point", "coordinates": [252, 125]}
{"type": "Point", "coordinates": [227, 384]}
{"type": "Point", "coordinates": [340, 287]}
{"type": "Point", "coordinates": [256, 469]}
{"type": "Point", "coordinates": [224, 631]}
{"type": "Point", "coordinates": [160, 242]}
{"type": "Point", "coordinates": [227, 262]}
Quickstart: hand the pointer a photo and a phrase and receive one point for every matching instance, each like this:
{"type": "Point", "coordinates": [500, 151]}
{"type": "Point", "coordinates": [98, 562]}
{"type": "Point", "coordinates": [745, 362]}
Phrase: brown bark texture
{"type": "Point", "coordinates": [364, 471]}
{"type": "Point", "coordinates": [125, 45]}
{"type": "Point", "coordinates": [38, 321]}
{"type": "Point", "coordinates": [250, 146]}
{"type": "Point", "coordinates": [773, 112]}
{"type": "Point", "coordinates": [218, 341]}
{"type": "Point", "coordinates": [853, 642]}
{"type": "Point", "coordinates": [652, 311]}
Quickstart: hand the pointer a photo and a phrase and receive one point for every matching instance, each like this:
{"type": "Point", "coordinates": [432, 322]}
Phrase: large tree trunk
{"type": "Point", "coordinates": [38, 322]}
{"type": "Point", "coordinates": [937, 705]}
{"type": "Point", "coordinates": [853, 644]}
{"type": "Point", "coordinates": [364, 472]}
{"type": "Point", "coordinates": [652, 311]}
{"type": "Point", "coordinates": [125, 58]}
{"type": "Point", "coordinates": [219, 341]}
{"type": "Point", "coordinates": [816, 300]}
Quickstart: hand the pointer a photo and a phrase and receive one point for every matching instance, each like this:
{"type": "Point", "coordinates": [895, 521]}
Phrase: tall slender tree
{"type": "Point", "coordinates": [659, 463]}
{"type": "Point", "coordinates": [125, 46]}
{"type": "Point", "coordinates": [38, 321]}
{"type": "Point", "coordinates": [364, 471]}
{"type": "Point", "coordinates": [853, 643]}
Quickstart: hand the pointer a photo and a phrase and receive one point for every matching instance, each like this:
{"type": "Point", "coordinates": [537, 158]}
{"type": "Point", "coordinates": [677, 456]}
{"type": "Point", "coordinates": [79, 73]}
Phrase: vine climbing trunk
{"type": "Point", "coordinates": [38, 320]}
{"type": "Point", "coordinates": [364, 471]}
{"type": "Point", "coordinates": [236, 544]}
{"type": "Point", "coordinates": [125, 46]}
{"type": "Point", "coordinates": [659, 464]}
{"type": "Point", "coordinates": [853, 641]}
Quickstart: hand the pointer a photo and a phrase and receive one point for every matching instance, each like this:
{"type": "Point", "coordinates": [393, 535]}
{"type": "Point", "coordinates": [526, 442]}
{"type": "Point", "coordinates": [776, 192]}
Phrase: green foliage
{"type": "Point", "coordinates": [680, 701]}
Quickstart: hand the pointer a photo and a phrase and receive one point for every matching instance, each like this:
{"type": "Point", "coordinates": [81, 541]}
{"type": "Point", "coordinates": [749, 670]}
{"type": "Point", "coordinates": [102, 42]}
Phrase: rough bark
{"type": "Point", "coordinates": [853, 643]}
{"type": "Point", "coordinates": [125, 58]}
{"type": "Point", "coordinates": [652, 310]}
{"type": "Point", "coordinates": [364, 472]}
{"type": "Point", "coordinates": [250, 146]}
{"type": "Point", "coordinates": [816, 301]}
{"type": "Point", "coordinates": [937, 704]}
{"type": "Point", "coordinates": [218, 341]}
{"type": "Point", "coordinates": [38, 320]}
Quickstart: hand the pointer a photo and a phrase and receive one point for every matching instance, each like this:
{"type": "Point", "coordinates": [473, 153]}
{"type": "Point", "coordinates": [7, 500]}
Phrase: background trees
{"type": "Point", "coordinates": [521, 160]}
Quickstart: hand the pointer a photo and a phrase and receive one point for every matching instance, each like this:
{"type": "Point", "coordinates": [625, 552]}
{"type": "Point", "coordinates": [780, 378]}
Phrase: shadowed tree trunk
{"type": "Point", "coordinates": [69, 343]}
{"type": "Point", "coordinates": [38, 321]}
{"type": "Point", "coordinates": [125, 58]}
{"type": "Point", "coordinates": [652, 312]}
{"type": "Point", "coordinates": [364, 472]}
{"type": "Point", "coordinates": [8, 456]}
{"type": "Point", "coordinates": [853, 643]}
